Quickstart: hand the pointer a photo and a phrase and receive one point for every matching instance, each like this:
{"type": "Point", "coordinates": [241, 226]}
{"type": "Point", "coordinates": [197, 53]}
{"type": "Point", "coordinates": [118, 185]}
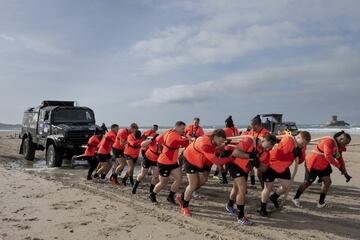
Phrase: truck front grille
{"type": "Point", "coordinates": [79, 137]}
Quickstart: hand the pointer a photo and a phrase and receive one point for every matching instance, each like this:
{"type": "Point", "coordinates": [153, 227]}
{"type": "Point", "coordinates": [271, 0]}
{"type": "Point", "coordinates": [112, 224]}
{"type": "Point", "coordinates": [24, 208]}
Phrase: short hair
{"type": "Point", "coordinates": [256, 120]}
{"type": "Point", "coordinates": [155, 126]}
{"type": "Point", "coordinates": [137, 134]}
{"type": "Point", "coordinates": [305, 135]}
{"type": "Point", "coordinates": [218, 133]}
{"type": "Point", "coordinates": [346, 135]}
{"type": "Point", "coordinates": [114, 126]}
{"type": "Point", "coordinates": [98, 131]}
{"type": "Point", "coordinates": [229, 122]}
{"type": "Point", "coordinates": [270, 138]}
{"type": "Point", "coordinates": [134, 126]}
{"type": "Point", "coordinates": [180, 123]}
{"type": "Point", "coordinates": [197, 119]}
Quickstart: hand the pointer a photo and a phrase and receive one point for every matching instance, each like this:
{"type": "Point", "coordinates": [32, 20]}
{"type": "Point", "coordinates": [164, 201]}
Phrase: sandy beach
{"type": "Point", "coordinates": [41, 203]}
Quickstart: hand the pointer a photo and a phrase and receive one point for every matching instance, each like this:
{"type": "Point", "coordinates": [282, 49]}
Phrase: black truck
{"type": "Point", "coordinates": [60, 128]}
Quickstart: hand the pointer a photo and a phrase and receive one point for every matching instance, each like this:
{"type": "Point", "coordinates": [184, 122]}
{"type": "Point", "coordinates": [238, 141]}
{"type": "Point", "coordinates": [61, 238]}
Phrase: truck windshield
{"type": "Point", "coordinates": [73, 116]}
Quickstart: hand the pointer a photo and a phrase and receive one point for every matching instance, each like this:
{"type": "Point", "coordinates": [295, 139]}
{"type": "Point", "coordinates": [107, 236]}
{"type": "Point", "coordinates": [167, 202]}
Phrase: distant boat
{"type": "Point", "coordinates": [334, 122]}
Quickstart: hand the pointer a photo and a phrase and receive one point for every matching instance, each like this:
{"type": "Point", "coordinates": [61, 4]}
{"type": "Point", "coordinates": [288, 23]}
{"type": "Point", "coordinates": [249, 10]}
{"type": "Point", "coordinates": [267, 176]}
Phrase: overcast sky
{"type": "Point", "coordinates": [162, 61]}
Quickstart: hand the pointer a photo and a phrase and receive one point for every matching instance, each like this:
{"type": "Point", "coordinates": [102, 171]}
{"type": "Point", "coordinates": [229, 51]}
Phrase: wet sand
{"type": "Point", "coordinates": [43, 203]}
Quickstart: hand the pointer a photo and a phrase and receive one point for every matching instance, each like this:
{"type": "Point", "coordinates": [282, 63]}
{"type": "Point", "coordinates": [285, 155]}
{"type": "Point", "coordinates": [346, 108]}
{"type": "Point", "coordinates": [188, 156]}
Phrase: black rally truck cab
{"type": "Point", "coordinates": [59, 128]}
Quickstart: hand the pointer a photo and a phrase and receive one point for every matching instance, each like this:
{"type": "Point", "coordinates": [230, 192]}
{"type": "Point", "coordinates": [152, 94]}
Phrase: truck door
{"type": "Point", "coordinates": [43, 125]}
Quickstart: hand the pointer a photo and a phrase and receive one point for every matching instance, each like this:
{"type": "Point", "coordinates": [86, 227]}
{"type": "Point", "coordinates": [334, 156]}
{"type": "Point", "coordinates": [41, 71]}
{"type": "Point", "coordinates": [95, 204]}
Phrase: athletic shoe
{"type": "Point", "coordinates": [231, 210]}
{"type": "Point", "coordinates": [263, 213]}
{"type": "Point", "coordinates": [186, 212]}
{"type": "Point", "coordinates": [179, 200]}
{"type": "Point", "coordinates": [323, 205]}
{"type": "Point", "coordinates": [297, 203]}
{"type": "Point", "coordinates": [152, 198]}
{"type": "Point", "coordinates": [245, 221]}
{"type": "Point", "coordinates": [171, 200]}
{"type": "Point", "coordinates": [114, 180]}
{"type": "Point", "coordinates": [274, 201]}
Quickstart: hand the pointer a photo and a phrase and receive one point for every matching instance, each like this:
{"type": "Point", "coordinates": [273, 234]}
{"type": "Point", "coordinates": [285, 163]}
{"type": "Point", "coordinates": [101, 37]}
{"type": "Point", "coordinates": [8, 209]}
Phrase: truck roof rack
{"type": "Point", "coordinates": [48, 103]}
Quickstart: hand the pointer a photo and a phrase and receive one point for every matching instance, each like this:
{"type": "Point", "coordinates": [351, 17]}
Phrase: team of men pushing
{"type": "Point", "coordinates": [239, 155]}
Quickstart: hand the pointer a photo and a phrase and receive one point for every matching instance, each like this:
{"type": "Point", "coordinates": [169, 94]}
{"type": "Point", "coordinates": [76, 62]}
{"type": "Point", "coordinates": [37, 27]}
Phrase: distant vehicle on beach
{"type": "Point", "coordinates": [59, 128]}
{"type": "Point", "coordinates": [334, 122]}
{"type": "Point", "coordinates": [274, 124]}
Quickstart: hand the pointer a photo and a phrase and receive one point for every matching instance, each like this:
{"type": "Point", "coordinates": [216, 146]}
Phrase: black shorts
{"type": "Point", "coordinates": [146, 163]}
{"type": "Point", "coordinates": [311, 176]}
{"type": "Point", "coordinates": [104, 157]}
{"type": "Point", "coordinates": [190, 168]}
{"type": "Point", "coordinates": [206, 168]}
{"type": "Point", "coordinates": [118, 153]}
{"type": "Point", "coordinates": [270, 175]}
{"type": "Point", "coordinates": [129, 158]}
{"type": "Point", "coordinates": [236, 171]}
{"type": "Point", "coordinates": [165, 170]}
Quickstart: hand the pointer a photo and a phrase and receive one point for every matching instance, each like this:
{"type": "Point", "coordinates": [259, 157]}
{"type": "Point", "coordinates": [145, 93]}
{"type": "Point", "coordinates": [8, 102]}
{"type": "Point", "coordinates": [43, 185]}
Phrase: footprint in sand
{"type": "Point", "coordinates": [19, 210]}
{"type": "Point", "coordinates": [10, 220]}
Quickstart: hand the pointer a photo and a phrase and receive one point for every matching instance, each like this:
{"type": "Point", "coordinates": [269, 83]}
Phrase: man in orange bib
{"type": "Point", "coordinates": [318, 164]}
{"type": "Point", "coordinates": [248, 152]}
{"type": "Point", "coordinates": [171, 140]}
{"type": "Point", "coordinates": [118, 151]}
{"type": "Point", "coordinates": [149, 161]}
{"type": "Point", "coordinates": [281, 158]}
{"type": "Point", "coordinates": [90, 152]}
{"type": "Point", "coordinates": [104, 151]}
{"type": "Point", "coordinates": [194, 130]}
{"type": "Point", "coordinates": [198, 158]}
{"type": "Point", "coordinates": [256, 130]}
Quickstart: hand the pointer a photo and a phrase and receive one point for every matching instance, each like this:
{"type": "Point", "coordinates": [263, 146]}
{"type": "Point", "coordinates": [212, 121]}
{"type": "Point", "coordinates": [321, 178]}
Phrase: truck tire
{"type": "Point", "coordinates": [28, 149]}
{"type": "Point", "coordinates": [53, 156]}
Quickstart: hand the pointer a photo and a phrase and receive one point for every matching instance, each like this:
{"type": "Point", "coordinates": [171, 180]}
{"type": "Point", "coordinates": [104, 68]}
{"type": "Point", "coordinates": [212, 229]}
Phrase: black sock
{"type": "Point", "coordinates": [183, 196]}
{"type": "Point", "coordinates": [185, 203]}
{"type": "Point", "coordinates": [136, 183]}
{"type": "Point", "coordinates": [322, 198]}
{"type": "Point", "coordinates": [231, 203]}
{"type": "Point", "coordinates": [263, 207]}
{"type": "Point", "coordinates": [171, 194]}
{"type": "Point", "coordinates": [240, 211]}
{"type": "Point", "coordinates": [152, 186]}
{"type": "Point", "coordinates": [298, 194]}
{"type": "Point", "coordinates": [224, 175]}
{"type": "Point", "coordinates": [124, 180]}
{"type": "Point", "coordinates": [275, 196]}
{"type": "Point", "coordinates": [252, 179]}
{"type": "Point", "coordinates": [103, 176]}
{"type": "Point", "coordinates": [131, 178]}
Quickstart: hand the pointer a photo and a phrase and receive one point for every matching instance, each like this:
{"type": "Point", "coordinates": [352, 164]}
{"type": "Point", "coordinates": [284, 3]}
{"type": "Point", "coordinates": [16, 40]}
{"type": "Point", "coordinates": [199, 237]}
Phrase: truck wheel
{"type": "Point", "coordinates": [28, 149]}
{"type": "Point", "coordinates": [53, 156]}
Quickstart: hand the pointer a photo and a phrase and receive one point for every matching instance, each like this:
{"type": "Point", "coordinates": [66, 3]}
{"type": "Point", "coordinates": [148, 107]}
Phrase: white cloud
{"type": "Point", "coordinates": [230, 30]}
{"type": "Point", "coordinates": [337, 71]}
{"type": "Point", "coordinates": [37, 44]}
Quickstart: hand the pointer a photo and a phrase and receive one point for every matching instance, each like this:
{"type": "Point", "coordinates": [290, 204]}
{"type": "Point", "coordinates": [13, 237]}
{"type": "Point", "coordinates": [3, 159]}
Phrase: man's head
{"type": "Point", "coordinates": [229, 123]}
{"type": "Point", "coordinates": [137, 134]}
{"type": "Point", "coordinates": [256, 124]}
{"type": "Point", "coordinates": [303, 138]}
{"type": "Point", "coordinates": [114, 128]}
{"type": "Point", "coordinates": [133, 127]}
{"type": "Point", "coordinates": [196, 121]}
{"type": "Point", "coordinates": [342, 138]}
{"type": "Point", "coordinates": [155, 127]}
{"type": "Point", "coordinates": [180, 127]}
{"type": "Point", "coordinates": [268, 141]}
{"type": "Point", "coordinates": [218, 137]}
{"type": "Point", "coordinates": [98, 132]}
